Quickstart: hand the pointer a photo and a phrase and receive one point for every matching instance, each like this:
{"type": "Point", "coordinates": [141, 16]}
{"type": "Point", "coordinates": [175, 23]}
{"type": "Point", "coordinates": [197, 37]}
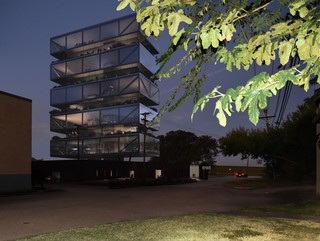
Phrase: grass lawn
{"type": "Point", "coordinates": [194, 227]}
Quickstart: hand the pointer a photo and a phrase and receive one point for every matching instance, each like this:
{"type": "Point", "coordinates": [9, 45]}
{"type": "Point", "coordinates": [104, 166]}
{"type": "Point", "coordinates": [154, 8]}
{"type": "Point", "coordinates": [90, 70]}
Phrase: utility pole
{"type": "Point", "coordinates": [266, 118]}
{"type": "Point", "coordinates": [78, 135]}
{"type": "Point", "coordinates": [144, 140]}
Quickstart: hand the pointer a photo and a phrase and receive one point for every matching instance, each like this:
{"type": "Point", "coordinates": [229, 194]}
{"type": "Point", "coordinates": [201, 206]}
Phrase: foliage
{"type": "Point", "coordinates": [236, 33]}
{"type": "Point", "coordinates": [290, 150]}
{"type": "Point", "coordinates": [181, 147]}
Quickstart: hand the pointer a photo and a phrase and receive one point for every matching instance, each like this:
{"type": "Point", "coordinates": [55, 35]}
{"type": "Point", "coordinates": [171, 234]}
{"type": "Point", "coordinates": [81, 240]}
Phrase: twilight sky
{"type": "Point", "coordinates": [26, 28]}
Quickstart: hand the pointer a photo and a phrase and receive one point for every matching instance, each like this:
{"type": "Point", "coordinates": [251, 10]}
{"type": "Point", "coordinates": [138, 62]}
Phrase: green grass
{"type": "Point", "coordinates": [194, 227]}
{"type": "Point", "coordinates": [307, 208]}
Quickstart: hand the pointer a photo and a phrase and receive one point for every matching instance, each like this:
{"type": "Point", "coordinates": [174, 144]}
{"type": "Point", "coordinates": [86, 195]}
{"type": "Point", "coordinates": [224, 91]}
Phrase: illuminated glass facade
{"type": "Point", "coordinates": [104, 76]}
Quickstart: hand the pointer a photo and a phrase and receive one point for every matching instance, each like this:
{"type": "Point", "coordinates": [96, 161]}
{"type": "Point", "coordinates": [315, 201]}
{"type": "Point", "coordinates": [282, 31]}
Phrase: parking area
{"type": "Point", "coordinates": [66, 206]}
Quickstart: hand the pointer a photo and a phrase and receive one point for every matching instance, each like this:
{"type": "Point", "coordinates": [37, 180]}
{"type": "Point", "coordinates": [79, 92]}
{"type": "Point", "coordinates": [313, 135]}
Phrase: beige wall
{"type": "Point", "coordinates": [15, 135]}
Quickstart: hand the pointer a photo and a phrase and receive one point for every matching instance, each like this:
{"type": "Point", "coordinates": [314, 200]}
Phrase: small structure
{"type": "Point", "coordinates": [15, 142]}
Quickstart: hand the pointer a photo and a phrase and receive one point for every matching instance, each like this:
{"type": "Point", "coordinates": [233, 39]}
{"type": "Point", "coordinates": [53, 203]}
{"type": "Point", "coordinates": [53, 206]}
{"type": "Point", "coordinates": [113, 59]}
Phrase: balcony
{"type": "Point", "coordinates": [113, 91]}
{"type": "Point", "coordinates": [108, 116]}
{"type": "Point", "coordinates": [125, 30]}
{"type": "Point", "coordinates": [132, 56]}
{"type": "Point", "coordinates": [125, 145]}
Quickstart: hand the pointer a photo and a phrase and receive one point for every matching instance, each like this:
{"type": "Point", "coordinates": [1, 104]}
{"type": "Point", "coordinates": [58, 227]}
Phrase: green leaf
{"type": "Point", "coordinates": [123, 4]}
{"type": "Point", "coordinates": [205, 40]}
{"type": "Point", "coordinates": [285, 49]}
{"type": "Point", "coordinates": [178, 36]}
{"type": "Point", "coordinates": [254, 111]}
{"type": "Point", "coordinates": [174, 19]}
{"type": "Point", "coordinates": [220, 115]}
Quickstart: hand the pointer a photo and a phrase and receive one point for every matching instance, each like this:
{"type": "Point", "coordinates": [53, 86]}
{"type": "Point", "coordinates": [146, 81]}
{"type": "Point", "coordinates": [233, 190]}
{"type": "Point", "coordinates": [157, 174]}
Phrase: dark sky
{"type": "Point", "coordinates": [26, 28]}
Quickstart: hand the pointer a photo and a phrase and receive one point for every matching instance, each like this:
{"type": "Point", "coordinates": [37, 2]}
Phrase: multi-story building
{"type": "Point", "coordinates": [105, 88]}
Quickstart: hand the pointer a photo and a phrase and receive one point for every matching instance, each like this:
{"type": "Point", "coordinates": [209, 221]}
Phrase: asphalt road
{"type": "Point", "coordinates": [69, 206]}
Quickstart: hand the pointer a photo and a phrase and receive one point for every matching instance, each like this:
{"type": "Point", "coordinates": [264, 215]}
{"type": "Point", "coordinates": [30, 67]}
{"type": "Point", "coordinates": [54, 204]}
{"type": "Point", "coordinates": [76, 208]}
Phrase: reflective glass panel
{"type": "Point", "coordinates": [57, 148]}
{"type": "Point", "coordinates": [58, 70]}
{"type": "Point", "coordinates": [58, 44]}
{"type": "Point", "coordinates": [109, 116]}
{"type": "Point", "coordinates": [91, 147]}
{"type": "Point", "coordinates": [129, 114]}
{"type": "Point", "coordinates": [90, 35]}
{"type": "Point", "coordinates": [74, 40]}
{"type": "Point", "coordinates": [109, 30]}
{"type": "Point", "coordinates": [90, 132]}
{"type": "Point", "coordinates": [74, 119]}
{"type": "Point", "coordinates": [108, 130]}
{"type": "Point", "coordinates": [129, 144]}
{"type": "Point", "coordinates": [58, 96]}
{"type": "Point", "coordinates": [91, 118]}
{"type": "Point", "coordinates": [129, 85]}
{"type": "Point", "coordinates": [109, 88]}
{"type": "Point", "coordinates": [128, 25]}
{"type": "Point", "coordinates": [72, 147]}
{"type": "Point", "coordinates": [109, 59]}
{"type": "Point", "coordinates": [57, 122]}
{"type": "Point", "coordinates": [91, 91]}
{"type": "Point", "coordinates": [129, 55]}
{"type": "Point", "coordinates": [74, 94]}
{"type": "Point", "coordinates": [109, 145]}
{"type": "Point", "coordinates": [91, 63]}
{"type": "Point", "coordinates": [147, 59]}
{"type": "Point", "coordinates": [74, 67]}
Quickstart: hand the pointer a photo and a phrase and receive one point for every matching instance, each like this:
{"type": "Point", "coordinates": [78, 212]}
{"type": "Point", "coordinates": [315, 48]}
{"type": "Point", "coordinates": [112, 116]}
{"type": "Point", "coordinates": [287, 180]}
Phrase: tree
{"type": "Point", "coordinates": [182, 147]}
{"type": "Point", "coordinates": [288, 151]}
{"type": "Point", "coordinates": [237, 33]}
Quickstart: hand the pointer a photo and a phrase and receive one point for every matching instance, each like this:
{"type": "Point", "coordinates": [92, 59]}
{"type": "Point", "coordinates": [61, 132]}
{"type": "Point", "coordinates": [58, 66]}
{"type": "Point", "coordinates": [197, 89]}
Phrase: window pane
{"type": "Point", "coordinates": [58, 96]}
{"type": "Point", "coordinates": [73, 120]}
{"type": "Point", "coordinates": [109, 88]}
{"type": "Point", "coordinates": [91, 35]}
{"type": "Point", "coordinates": [90, 132]}
{"type": "Point", "coordinates": [129, 55]}
{"type": "Point", "coordinates": [109, 116]}
{"type": "Point", "coordinates": [91, 118]}
{"type": "Point", "coordinates": [57, 148]}
{"type": "Point", "coordinates": [74, 67]}
{"type": "Point", "coordinates": [129, 85]}
{"type": "Point", "coordinates": [74, 94]}
{"type": "Point", "coordinates": [72, 147]}
{"type": "Point", "coordinates": [74, 40]}
{"type": "Point", "coordinates": [129, 144]}
{"type": "Point", "coordinates": [147, 59]}
{"type": "Point", "coordinates": [128, 25]}
{"type": "Point", "coordinates": [91, 147]}
{"type": "Point", "coordinates": [58, 70]}
{"type": "Point", "coordinates": [58, 44]}
{"type": "Point", "coordinates": [109, 145]}
{"type": "Point", "coordinates": [57, 122]}
{"type": "Point", "coordinates": [109, 30]}
{"type": "Point", "coordinates": [129, 114]}
{"type": "Point", "coordinates": [91, 91]}
{"type": "Point", "coordinates": [109, 59]}
{"type": "Point", "coordinates": [91, 63]}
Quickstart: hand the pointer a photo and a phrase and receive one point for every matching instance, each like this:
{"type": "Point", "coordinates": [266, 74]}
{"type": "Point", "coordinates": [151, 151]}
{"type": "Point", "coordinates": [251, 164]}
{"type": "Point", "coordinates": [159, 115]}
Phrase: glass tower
{"type": "Point", "coordinates": [105, 87]}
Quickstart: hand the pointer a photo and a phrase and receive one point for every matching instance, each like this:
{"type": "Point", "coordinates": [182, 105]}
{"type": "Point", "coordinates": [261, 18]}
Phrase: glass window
{"type": "Point", "coordinates": [109, 88]}
{"type": "Point", "coordinates": [129, 55]}
{"type": "Point", "coordinates": [91, 132]}
{"type": "Point", "coordinates": [73, 120]}
{"type": "Point", "coordinates": [74, 94]}
{"type": "Point", "coordinates": [109, 145]}
{"type": "Point", "coordinates": [129, 85]}
{"type": "Point", "coordinates": [57, 122]}
{"type": "Point", "coordinates": [91, 118]}
{"type": "Point", "coordinates": [91, 35]}
{"type": "Point", "coordinates": [91, 147]}
{"type": "Point", "coordinates": [109, 116]}
{"type": "Point", "coordinates": [145, 87]}
{"type": "Point", "coordinates": [129, 144]}
{"type": "Point", "coordinates": [58, 44]}
{"type": "Point", "coordinates": [128, 25]}
{"type": "Point", "coordinates": [147, 59]}
{"type": "Point", "coordinates": [72, 147]}
{"type": "Point", "coordinates": [91, 63]}
{"type": "Point", "coordinates": [74, 67]}
{"type": "Point", "coordinates": [91, 91]}
{"type": "Point", "coordinates": [57, 148]}
{"type": "Point", "coordinates": [129, 114]}
{"type": "Point", "coordinates": [58, 70]}
{"type": "Point", "coordinates": [58, 96]}
{"type": "Point", "coordinates": [109, 59]}
{"type": "Point", "coordinates": [109, 30]}
{"type": "Point", "coordinates": [74, 40]}
{"type": "Point", "coordinates": [108, 130]}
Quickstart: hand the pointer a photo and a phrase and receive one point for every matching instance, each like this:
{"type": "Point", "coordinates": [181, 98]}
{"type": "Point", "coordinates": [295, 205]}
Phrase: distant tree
{"type": "Point", "coordinates": [288, 151]}
{"type": "Point", "coordinates": [182, 147]}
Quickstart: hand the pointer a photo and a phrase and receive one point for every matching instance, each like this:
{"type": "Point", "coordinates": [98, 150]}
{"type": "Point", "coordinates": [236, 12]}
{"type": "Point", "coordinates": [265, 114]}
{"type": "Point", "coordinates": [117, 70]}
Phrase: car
{"type": "Point", "coordinates": [241, 174]}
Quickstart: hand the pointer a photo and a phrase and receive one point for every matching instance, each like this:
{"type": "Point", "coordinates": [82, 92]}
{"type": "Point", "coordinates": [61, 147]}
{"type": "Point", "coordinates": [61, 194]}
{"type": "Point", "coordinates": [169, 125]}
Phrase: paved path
{"type": "Point", "coordinates": [70, 206]}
